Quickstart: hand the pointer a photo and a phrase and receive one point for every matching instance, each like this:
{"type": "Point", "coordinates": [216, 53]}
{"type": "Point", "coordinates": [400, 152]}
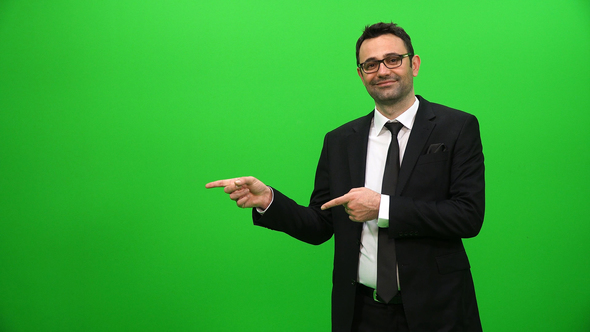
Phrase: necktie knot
{"type": "Point", "coordinates": [394, 127]}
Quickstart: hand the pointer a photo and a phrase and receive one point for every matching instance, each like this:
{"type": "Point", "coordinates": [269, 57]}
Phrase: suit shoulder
{"type": "Point", "coordinates": [352, 126]}
{"type": "Point", "coordinates": [446, 111]}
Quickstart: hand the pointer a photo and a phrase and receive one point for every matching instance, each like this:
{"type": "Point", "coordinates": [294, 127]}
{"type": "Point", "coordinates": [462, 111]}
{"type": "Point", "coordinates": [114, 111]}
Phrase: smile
{"type": "Point", "coordinates": [385, 83]}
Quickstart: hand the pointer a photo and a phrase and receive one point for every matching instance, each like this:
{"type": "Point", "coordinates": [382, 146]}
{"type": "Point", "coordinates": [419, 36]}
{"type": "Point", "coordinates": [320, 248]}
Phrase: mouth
{"type": "Point", "coordinates": [385, 83]}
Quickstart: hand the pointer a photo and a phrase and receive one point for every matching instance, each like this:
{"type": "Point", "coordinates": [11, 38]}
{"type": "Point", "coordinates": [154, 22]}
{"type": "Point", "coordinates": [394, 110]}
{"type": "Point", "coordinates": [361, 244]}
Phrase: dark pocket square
{"type": "Point", "coordinates": [436, 147]}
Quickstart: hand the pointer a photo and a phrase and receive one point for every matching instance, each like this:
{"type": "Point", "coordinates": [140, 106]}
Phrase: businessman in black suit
{"type": "Point", "coordinates": [399, 261]}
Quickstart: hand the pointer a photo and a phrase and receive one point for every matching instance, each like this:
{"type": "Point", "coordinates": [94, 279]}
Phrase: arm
{"type": "Point", "coordinates": [308, 224]}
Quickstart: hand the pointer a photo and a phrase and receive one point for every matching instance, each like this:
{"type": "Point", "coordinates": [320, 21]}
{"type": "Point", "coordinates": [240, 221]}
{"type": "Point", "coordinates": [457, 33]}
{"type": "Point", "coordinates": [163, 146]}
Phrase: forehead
{"type": "Point", "coordinates": [378, 47]}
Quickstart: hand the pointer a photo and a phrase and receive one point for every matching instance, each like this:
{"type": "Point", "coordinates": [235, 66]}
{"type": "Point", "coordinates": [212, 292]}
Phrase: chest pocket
{"type": "Point", "coordinates": [432, 158]}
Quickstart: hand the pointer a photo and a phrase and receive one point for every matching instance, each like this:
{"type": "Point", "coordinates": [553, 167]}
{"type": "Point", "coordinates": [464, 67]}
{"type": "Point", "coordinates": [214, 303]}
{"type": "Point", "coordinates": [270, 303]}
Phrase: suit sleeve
{"type": "Point", "coordinates": [456, 209]}
{"type": "Point", "coordinates": [309, 224]}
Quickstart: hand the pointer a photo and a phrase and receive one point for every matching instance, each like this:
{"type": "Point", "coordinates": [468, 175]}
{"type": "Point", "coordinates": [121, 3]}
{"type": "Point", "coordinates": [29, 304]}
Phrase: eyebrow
{"type": "Point", "coordinates": [385, 56]}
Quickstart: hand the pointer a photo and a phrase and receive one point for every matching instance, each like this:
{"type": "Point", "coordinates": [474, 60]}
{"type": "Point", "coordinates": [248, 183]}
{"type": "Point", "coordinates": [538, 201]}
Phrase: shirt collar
{"type": "Point", "coordinates": [406, 118]}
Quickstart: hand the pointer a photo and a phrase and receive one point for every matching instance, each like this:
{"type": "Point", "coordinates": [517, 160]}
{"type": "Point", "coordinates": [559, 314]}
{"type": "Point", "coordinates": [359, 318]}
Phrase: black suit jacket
{"type": "Point", "coordinates": [439, 200]}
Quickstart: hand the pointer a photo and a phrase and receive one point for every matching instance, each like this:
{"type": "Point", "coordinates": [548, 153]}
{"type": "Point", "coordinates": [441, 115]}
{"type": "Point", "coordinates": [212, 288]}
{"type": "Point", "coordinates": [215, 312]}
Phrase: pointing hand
{"type": "Point", "coordinates": [361, 204]}
{"type": "Point", "coordinates": [247, 191]}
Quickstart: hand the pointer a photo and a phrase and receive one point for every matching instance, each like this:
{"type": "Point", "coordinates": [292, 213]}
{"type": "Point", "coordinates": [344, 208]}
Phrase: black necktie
{"type": "Point", "coordinates": [386, 262]}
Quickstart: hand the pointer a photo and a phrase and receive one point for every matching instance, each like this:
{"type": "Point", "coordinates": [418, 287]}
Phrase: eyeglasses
{"type": "Point", "coordinates": [390, 61]}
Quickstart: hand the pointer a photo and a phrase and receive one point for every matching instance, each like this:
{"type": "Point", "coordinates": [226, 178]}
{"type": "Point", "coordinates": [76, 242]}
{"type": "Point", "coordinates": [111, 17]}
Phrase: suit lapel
{"type": "Point", "coordinates": [423, 126]}
{"type": "Point", "coordinates": [357, 161]}
{"type": "Point", "coordinates": [357, 154]}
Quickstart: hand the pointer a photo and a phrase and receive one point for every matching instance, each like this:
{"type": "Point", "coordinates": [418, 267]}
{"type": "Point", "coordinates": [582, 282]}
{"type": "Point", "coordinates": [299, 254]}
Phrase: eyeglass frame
{"type": "Point", "coordinates": [382, 61]}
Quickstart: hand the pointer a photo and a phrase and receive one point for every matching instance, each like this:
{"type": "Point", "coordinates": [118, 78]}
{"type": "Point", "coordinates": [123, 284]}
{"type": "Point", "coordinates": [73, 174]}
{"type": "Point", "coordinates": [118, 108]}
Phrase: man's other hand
{"type": "Point", "coordinates": [247, 192]}
{"type": "Point", "coordinates": [361, 204]}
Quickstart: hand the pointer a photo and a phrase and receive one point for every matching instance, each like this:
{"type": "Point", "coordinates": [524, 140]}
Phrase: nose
{"type": "Point", "coordinates": [383, 70]}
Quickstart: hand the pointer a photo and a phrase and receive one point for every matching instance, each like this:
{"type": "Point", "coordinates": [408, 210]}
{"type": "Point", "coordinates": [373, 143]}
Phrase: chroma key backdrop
{"type": "Point", "coordinates": [115, 113]}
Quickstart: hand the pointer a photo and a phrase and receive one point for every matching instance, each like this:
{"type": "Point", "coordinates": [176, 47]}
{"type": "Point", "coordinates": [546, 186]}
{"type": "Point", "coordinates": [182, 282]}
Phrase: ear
{"type": "Point", "coordinates": [415, 65]}
{"type": "Point", "coordinates": [360, 73]}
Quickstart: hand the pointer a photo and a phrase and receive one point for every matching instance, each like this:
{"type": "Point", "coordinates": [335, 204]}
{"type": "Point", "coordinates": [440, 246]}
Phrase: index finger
{"type": "Point", "coordinates": [335, 202]}
{"type": "Point", "coordinates": [219, 183]}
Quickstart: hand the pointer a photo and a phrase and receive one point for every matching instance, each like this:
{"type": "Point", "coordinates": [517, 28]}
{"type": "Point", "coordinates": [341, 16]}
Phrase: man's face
{"type": "Point", "coordinates": [388, 86]}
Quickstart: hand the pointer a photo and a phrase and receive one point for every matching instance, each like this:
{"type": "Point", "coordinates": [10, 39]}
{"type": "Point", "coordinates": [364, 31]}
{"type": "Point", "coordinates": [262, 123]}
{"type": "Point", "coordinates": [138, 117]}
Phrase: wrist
{"type": "Point", "coordinates": [268, 198]}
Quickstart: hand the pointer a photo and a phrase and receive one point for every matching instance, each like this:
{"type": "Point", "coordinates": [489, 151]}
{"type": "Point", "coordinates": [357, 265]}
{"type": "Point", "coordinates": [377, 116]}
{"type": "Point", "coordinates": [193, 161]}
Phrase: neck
{"type": "Point", "coordinates": [396, 108]}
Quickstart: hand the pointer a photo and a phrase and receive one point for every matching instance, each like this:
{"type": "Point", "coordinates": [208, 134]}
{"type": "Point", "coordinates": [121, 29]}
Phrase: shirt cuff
{"type": "Point", "coordinates": [383, 220]}
{"type": "Point", "coordinates": [261, 211]}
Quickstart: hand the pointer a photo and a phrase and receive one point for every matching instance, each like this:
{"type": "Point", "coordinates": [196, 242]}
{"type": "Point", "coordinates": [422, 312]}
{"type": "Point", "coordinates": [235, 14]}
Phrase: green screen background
{"type": "Point", "coordinates": [114, 115]}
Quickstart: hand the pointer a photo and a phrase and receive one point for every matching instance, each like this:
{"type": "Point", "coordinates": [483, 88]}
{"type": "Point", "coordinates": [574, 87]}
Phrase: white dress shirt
{"type": "Point", "coordinates": [379, 139]}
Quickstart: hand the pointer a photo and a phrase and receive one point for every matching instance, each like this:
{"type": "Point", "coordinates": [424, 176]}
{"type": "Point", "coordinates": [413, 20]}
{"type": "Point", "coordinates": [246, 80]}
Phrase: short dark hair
{"type": "Point", "coordinates": [379, 29]}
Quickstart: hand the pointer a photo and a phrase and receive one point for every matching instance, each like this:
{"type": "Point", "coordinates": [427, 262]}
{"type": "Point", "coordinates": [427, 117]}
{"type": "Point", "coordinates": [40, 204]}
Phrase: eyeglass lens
{"type": "Point", "coordinates": [389, 62]}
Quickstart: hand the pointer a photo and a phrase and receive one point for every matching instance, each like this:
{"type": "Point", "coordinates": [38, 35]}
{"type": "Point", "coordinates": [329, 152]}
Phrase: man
{"type": "Point", "coordinates": [399, 261]}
